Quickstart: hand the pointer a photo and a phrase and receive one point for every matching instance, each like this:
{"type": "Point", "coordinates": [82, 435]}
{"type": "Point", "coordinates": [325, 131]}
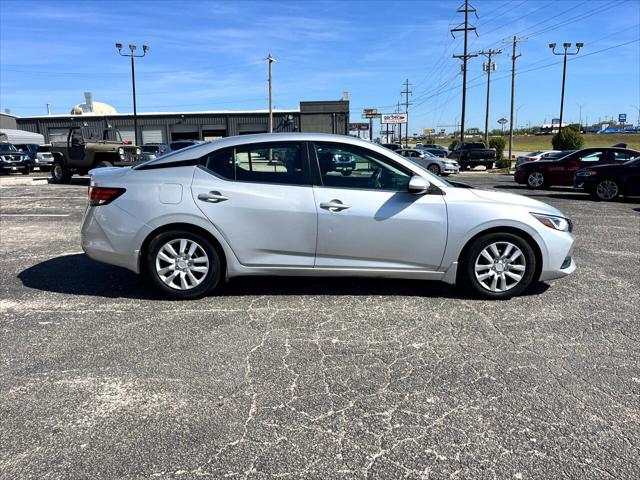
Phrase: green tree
{"type": "Point", "coordinates": [567, 139]}
{"type": "Point", "coordinates": [453, 144]}
{"type": "Point", "coordinates": [498, 143]}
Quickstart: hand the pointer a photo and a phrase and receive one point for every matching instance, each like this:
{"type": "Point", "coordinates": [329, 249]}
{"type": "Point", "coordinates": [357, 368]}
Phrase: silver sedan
{"type": "Point", "coordinates": [437, 165]}
{"type": "Point", "coordinates": [277, 204]}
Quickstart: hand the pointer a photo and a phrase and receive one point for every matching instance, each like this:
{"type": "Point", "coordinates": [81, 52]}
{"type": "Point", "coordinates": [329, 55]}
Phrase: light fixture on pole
{"type": "Point", "coordinates": [565, 53]}
{"type": "Point", "coordinates": [132, 55]}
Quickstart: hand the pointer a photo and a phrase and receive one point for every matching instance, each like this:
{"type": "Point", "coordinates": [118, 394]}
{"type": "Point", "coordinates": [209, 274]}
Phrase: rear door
{"type": "Point", "coordinates": [369, 220]}
{"type": "Point", "coordinates": [260, 198]}
{"type": "Point", "coordinates": [563, 171]}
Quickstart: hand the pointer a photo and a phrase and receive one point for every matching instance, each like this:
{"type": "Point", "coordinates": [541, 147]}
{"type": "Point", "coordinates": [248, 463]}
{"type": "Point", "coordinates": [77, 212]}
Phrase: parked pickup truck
{"type": "Point", "coordinates": [472, 154]}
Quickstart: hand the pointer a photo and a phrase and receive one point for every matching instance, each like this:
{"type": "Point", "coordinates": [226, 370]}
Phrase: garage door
{"type": "Point", "coordinates": [127, 134]}
{"type": "Point", "coordinates": [152, 135]}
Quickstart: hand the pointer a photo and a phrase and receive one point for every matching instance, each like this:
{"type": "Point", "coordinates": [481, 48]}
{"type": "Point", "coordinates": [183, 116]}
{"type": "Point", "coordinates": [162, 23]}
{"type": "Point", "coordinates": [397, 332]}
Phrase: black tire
{"type": "Point", "coordinates": [103, 164]}
{"type": "Point", "coordinates": [606, 190]}
{"type": "Point", "coordinates": [25, 171]}
{"type": "Point", "coordinates": [467, 272]}
{"type": "Point", "coordinates": [488, 165]}
{"type": "Point", "coordinates": [536, 180]}
{"type": "Point", "coordinates": [210, 280]}
{"type": "Point", "coordinates": [60, 173]}
{"type": "Point", "coordinates": [346, 173]}
{"type": "Point", "coordinates": [434, 168]}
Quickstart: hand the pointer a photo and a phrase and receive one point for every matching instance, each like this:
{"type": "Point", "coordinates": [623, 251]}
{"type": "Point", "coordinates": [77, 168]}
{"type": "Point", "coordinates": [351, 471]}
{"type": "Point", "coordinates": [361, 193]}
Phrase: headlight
{"type": "Point", "coordinates": [586, 173]}
{"type": "Point", "coordinates": [138, 151]}
{"type": "Point", "coordinates": [557, 223]}
{"type": "Point", "coordinates": [121, 151]}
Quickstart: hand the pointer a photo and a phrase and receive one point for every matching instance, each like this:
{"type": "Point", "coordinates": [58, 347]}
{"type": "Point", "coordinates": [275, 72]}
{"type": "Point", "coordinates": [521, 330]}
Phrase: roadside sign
{"type": "Point", "coordinates": [442, 131]}
{"type": "Point", "coordinates": [503, 120]}
{"type": "Point", "coordinates": [369, 113]}
{"type": "Point", "coordinates": [428, 131]}
{"type": "Point", "coordinates": [555, 121]}
{"type": "Point", "coordinates": [475, 131]}
{"type": "Point", "coordinates": [394, 118]}
{"type": "Point", "coordinates": [622, 118]}
{"type": "Point", "coordinates": [358, 127]}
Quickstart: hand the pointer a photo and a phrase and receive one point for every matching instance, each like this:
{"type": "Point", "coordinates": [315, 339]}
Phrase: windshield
{"type": "Point", "coordinates": [7, 148]}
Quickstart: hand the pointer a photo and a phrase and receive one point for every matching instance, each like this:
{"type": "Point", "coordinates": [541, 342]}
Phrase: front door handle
{"type": "Point", "coordinates": [334, 205]}
{"type": "Point", "coordinates": [212, 197]}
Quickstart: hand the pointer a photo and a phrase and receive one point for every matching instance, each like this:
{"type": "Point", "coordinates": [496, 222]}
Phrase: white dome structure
{"type": "Point", "coordinates": [90, 107]}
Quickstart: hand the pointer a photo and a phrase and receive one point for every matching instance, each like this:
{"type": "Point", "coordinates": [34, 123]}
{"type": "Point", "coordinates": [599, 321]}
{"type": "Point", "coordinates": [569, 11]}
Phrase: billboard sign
{"type": "Point", "coordinates": [369, 113]}
{"type": "Point", "coordinates": [622, 118]}
{"type": "Point", "coordinates": [394, 118]}
{"type": "Point", "coordinates": [358, 127]}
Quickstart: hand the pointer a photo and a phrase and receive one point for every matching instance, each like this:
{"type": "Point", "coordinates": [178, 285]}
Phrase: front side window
{"type": "Point", "coordinates": [273, 163]}
{"type": "Point", "coordinates": [347, 166]}
{"type": "Point", "coordinates": [622, 156]}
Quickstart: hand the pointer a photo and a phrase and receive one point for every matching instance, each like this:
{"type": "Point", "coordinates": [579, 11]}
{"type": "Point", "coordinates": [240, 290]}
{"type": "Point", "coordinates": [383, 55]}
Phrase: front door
{"type": "Point", "coordinates": [367, 219]}
{"type": "Point", "coordinates": [563, 171]}
{"type": "Point", "coordinates": [260, 199]}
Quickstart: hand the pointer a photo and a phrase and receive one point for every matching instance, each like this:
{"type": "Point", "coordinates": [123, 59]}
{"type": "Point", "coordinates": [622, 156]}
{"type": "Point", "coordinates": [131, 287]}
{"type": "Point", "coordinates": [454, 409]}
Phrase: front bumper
{"type": "Point", "coordinates": [8, 167]}
{"type": "Point", "coordinates": [520, 175]}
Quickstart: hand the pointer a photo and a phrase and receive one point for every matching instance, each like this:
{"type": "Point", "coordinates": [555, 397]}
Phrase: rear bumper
{"type": "Point", "coordinates": [108, 235]}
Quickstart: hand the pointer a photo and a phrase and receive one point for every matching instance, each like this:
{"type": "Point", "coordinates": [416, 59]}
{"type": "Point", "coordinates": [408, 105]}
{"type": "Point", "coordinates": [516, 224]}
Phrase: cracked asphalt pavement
{"type": "Point", "coordinates": [315, 378]}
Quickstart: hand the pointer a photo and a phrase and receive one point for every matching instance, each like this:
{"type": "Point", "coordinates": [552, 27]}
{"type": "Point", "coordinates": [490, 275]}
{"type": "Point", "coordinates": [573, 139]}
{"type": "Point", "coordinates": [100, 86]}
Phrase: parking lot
{"type": "Point", "coordinates": [315, 378]}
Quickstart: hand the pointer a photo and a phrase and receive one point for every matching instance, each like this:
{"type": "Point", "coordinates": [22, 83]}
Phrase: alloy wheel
{"type": "Point", "coordinates": [182, 264]}
{"type": "Point", "coordinates": [607, 190]}
{"type": "Point", "coordinates": [435, 169]}
{"type": "Point", "coordinates": [535, 179]}
{"type": "Point", "coordinates": [500, 266]}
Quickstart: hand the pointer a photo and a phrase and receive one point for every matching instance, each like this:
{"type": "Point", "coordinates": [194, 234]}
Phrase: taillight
{"type": "Point", "coordinates": [103, 195]}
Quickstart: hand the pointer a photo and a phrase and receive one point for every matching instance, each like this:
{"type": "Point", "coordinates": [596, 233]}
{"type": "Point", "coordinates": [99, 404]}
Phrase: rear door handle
{"type": "Point", "coordinates": [212, 197]}
{"type": "Point", "coordinates": [334, 205]}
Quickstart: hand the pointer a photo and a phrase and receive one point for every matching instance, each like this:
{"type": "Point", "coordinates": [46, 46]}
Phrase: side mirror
{"type": "Point", "coordinates": [418, 185]}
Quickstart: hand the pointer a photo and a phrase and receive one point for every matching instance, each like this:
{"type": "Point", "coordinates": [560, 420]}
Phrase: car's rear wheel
{"type": "Point", "coordinates": [434, 168]}
{"type": "Point", "coordinates": [536, 180]}
{"type": "Point", "coordinates": [606, 190]}
{"type": "Point", "coordinates": [498, 266]}
{"type": "Point", "coordinates": [183, 264]}
{"type": "Point", "coordinates": [60, 173]}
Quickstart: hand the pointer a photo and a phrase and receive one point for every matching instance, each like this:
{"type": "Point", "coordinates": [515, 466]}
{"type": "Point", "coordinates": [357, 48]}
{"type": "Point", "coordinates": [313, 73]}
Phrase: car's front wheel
{"type": "Point", "coordinates": [536, 180]}
{"type": "Point", "coordinates": [498, 266]}
{"type": "Point", "coordinates": [434, 168]}
{"type": "Point", "coordinates": [183, 264]}
{"type": "Point", "coordinates": [606, 190]}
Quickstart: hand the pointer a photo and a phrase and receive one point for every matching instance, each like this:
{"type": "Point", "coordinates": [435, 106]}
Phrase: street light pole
{"type": "Point", "coordinates": [270, 59]}
{"type": "Point", "coordinates": [132, 55]}
{"type": "Point", "coordinates": [565, 53]}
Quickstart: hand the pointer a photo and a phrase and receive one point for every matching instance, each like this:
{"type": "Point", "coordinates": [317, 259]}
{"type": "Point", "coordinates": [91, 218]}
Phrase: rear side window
{"type": "Point", "coordinates": [273, 163]}
{"type": "Point", "coordinates": [622, 156]}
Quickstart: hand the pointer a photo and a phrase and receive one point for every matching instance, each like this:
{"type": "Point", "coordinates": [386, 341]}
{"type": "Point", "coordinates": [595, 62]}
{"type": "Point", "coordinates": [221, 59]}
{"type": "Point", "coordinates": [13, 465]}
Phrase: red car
{"type": "Point", "coordinates": [544, 173]}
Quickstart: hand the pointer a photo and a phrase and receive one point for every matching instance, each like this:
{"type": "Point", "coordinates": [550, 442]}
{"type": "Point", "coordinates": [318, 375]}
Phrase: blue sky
{"type": "Point", "coordinates": [210, 56]}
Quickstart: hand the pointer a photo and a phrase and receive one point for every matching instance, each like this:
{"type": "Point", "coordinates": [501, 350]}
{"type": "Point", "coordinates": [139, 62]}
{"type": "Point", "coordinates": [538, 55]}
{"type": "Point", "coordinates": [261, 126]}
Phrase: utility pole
{"type": "Point", "coordinates": [132, 48]}
{"type": "Point", "coordinates": [270, 60]}
{"type": "Point", "coordinates": [488, 67]}
{"type": "Point", "coordinates": [580, 105]}
{"type": "Point", "coordinates": [465, 56]}
{"type": "Point", "coordinates": [513, 89]}
{"type": "Point", "coordinates": [565, 53]}
{"type": "Point", "coordinates": [399, 125]}
{"type": "Point", "coordinates": [406, 92]}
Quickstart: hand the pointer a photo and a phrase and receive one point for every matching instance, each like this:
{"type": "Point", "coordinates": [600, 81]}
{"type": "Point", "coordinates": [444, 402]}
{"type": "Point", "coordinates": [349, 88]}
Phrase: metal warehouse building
{"type": "Point", "coordinates": [318, 116]}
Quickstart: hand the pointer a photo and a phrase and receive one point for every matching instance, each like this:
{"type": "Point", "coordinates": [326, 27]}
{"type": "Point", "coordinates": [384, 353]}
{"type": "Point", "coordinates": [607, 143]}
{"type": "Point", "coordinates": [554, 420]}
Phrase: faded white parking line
{"type": "Point", "coordinates": [35, 197]}
{"type": "Point", "coordinates": [34, 214]}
